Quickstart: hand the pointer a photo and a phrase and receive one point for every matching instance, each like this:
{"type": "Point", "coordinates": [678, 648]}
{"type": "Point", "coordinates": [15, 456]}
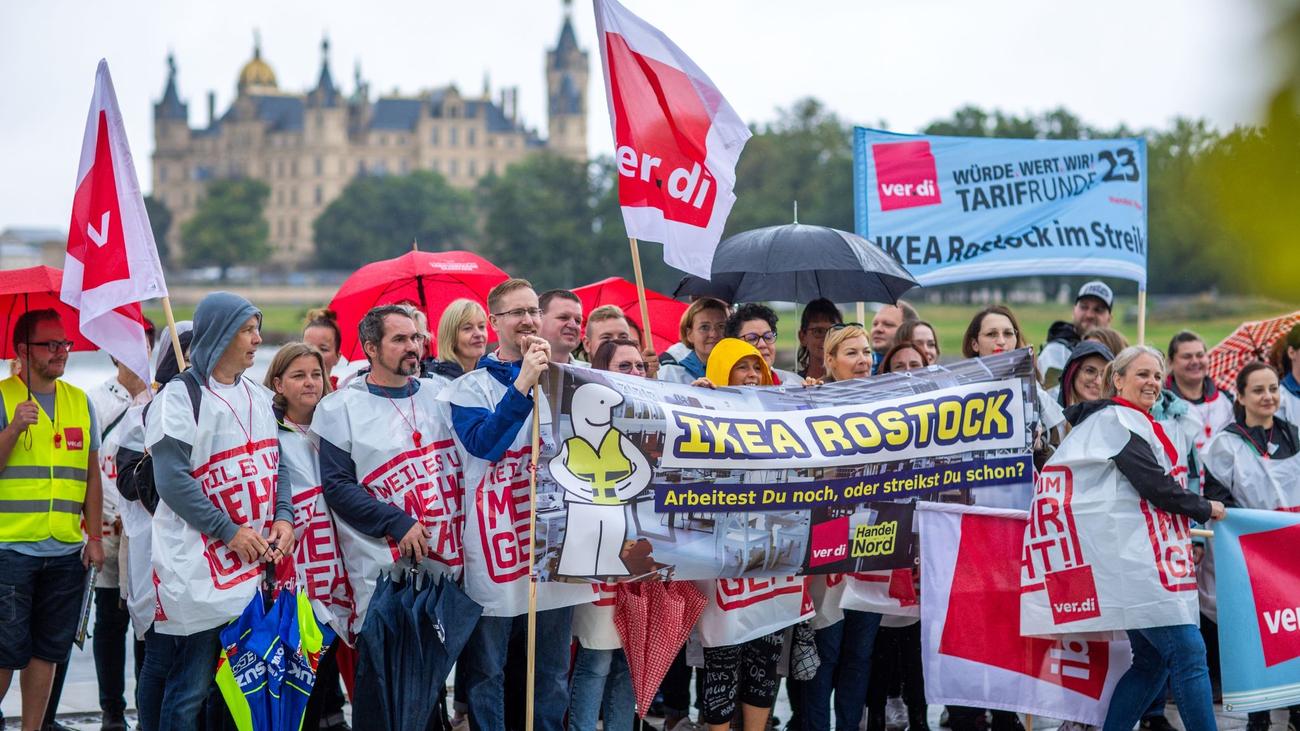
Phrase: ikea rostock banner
{"type": "Point", "coordinates": [956, 209]}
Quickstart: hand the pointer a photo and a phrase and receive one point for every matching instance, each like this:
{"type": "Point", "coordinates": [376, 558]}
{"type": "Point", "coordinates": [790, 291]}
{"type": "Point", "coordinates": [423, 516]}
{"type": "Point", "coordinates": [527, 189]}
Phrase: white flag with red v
{"type": "Point", "coordinates": [112, 262]}
{"type": "Point", "coordinates": [676, 139]}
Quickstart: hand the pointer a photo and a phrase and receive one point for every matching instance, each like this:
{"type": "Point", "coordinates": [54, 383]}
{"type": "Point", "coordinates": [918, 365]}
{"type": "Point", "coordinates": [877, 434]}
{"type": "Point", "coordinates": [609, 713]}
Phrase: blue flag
{"type": "Point", "coordinates": [1258, 579]}
{"type": "Point", "coordinates": [957, 209]}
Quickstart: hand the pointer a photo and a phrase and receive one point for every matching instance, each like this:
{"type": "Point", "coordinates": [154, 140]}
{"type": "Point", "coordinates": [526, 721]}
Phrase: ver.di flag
{"type": "Point", "coordinates": [112, 261]}
{"type": "Point", "coordinates": [676, 140]}
{"type": "Point", "coordinates": [971, 643]}
{"type": "Point", "coordinates": [1259, 608]}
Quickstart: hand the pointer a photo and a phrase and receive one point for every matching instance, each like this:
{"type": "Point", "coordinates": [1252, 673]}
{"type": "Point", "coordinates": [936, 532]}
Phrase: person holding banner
{"type": "Point", "coordinates": [847, 353]}
{"type": "Point", "coordinates": [742, 626]}
{"type": "Point", "coordinates": [701, 328]}
{"type": "Point", "coordinates": [1123, 557]}
{"type": "Point", "coordinates": [995, 329]}
{"type": "Point", "coordinates": [817, 319]}
{"type": "Point", "coordinates": [212, 436]}
{"type": "Point", "coordinates": [756, 324]}
{"type": "Point", "coordinates": [1252, 463]}
{"type": "Point", "coordinates": [904, 356]}
{"type": "Point", "coordinates": [491, 412]}
{"type": "Point", "coordinates": [462, 341]}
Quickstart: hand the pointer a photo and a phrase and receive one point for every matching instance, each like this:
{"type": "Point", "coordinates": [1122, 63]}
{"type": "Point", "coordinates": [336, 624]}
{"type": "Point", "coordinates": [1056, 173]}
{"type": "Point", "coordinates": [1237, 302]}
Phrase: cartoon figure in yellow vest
{"type": "Point", "coordinates": [600, 469]}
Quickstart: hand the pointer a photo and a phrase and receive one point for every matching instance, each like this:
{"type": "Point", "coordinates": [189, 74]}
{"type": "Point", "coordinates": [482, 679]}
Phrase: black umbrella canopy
{"type": "Point", "coordinates": [799, 263]}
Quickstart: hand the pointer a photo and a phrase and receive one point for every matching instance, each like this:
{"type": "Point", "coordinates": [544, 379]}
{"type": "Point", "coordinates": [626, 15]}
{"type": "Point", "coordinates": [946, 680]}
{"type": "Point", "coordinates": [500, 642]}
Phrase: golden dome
{"type": "Point", "coordinates": [256, 73]}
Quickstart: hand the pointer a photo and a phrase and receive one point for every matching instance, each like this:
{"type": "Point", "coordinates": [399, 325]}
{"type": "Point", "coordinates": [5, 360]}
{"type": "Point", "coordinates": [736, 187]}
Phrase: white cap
{"type": "Point", "coordinates": [1097, 288]}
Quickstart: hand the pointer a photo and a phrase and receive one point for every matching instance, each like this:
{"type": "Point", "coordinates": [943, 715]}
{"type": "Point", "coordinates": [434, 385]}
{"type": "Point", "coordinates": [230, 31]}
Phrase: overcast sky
{"type": "Point", "coordinates": [906, 62]}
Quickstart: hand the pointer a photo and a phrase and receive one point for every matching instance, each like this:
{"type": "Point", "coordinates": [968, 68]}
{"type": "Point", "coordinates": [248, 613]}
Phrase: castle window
{"type": "Point", "coordinates": [279, 168]}
{"type": "Point", "coordinates": [473, 168]}
{"type": "Point", "coordinates": [293, 228]}
{"type": "Point", "coordinates": [162, 173]}
{"type": "Point", "coordinates": [279, 197]}
{"type": "Point", "coordinates": [293, 168]}
{"type": "Point", "coordinates": [320, 166]}
{"type": "Point", "coordinates": [455, 137]}
{"type": "Point", "coordinates": [453, 168]}
{"type": "Point", "coordinates": [361, 167]}
{"type": "Point", "coordinates": [433, 139]}
{"type": "Point", "coordinates": [319, 195]}
{"type": "Point", "coordinates": [279, 228]}
{"type": "Point", "coordinates": [473, 136]}
{"type": "Point", "coordinates": [383, 140]}
{"type": "Point", "coordinates": [293, 196]}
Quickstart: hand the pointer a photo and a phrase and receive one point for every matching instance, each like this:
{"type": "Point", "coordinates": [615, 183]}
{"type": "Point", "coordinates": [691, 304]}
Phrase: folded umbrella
{"type": "Point", "coordinates": [653, 619]}
{"type": "Point", "coordinates": [305, 640]}
{"type": "Point", "coordinates": [798, 263]}
{"type": "Point", "coordinates": [1250, 341]}
{"type": "Point", "coordinates": [243, 675]}
{"type": "Point", "coordinates": [370, 706]}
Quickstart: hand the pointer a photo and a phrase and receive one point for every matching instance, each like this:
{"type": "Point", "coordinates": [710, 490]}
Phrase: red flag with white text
{"type": "Point", "coordinates": [676, 140]}
{"type": "Point", "coordinates": [112, 262]}
{"type": "Point", "coordinates": [972, 649]}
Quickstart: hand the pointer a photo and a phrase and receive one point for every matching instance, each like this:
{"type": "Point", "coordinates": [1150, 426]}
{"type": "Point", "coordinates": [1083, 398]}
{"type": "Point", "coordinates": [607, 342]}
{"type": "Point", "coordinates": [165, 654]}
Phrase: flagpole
{"type": "Point", "coordinates": [640, 294]}
{"type": "Point", "coordinates": [529, 683]}
{"type": "Point", "coordinates": [176, 337]}
{"type": "Point", "coordinates": [1142, 316]}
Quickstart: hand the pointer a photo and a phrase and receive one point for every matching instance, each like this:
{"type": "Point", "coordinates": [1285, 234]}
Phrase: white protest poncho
{"type": "Point", "coordinates": [201, 582]}
{"type": "Point", "coordinates": [137, 526]}
{"type": "Point", "coordinates": [1262, 484]}
{"type": "Point", "coordinates": [887, 592]}
{"type": "Point", "coordinates": [825, 591]}
{"type": "Point", "coordinates": [1097, 557]}
{"type": "Point", "coordinates": [740, 610]}
{"type": "Point", "coordinates": [316, 566]}
{"type": "Point", "coordinates": [497, 512]}
{"type": "Point", "coordinates": [421, 479]}
{"type": "Point", "coordinates": [593, 624]}
{"type": "Point", "coordinates": [1215, 414]}
{"type": "Point", "coordinates": [1289, 405]}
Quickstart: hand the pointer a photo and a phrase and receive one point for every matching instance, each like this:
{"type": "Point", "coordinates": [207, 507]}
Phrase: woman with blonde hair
{"type": "Point", "coordinates": [462, 341]}
{"type": "Point", "coordinates": [847, 352]}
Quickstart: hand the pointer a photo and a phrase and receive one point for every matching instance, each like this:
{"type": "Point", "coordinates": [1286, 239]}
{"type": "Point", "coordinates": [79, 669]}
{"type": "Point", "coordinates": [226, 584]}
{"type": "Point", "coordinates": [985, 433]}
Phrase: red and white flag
{"type": "Point", "coordinates": [112, 262]}
{"type": "Point", "coordinates": [676, 140]}
{"type": "Point", "coordinates": [972, 650]}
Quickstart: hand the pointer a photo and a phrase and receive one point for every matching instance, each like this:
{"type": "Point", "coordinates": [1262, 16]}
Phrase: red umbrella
{"type": "Point", "coordinates": [1249, 342]}
{"type": "Point", "coordinates": [432, 280]}
{"type": "Point", "coordinates": [665, 312]}
{"type": "Point", "coordinates": [654, 618]}
{"type": "Point", "coordinates": [35, 288]}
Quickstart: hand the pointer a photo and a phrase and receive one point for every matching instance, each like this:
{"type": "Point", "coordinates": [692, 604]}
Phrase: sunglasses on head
{"type": "Point", "coordinates": [842, 325]}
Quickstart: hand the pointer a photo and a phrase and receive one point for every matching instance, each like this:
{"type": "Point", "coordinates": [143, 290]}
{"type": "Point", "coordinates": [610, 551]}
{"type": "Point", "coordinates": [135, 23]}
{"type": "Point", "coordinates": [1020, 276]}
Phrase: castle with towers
{"type": "Point", "coordinates": [308, 146]}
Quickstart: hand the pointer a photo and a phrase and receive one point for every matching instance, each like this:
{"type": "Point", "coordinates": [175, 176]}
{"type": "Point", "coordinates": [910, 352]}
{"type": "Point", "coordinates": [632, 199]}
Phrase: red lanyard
{"type": "Point", "coordinates": [416, 436]}
{"type": "Point", "coordinates": [1268, 439]}
{"type": "Point", "coordinates": [248, 437]}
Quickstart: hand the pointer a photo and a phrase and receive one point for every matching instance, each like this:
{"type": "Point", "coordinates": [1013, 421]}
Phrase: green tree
{"type": "Point", "coordinates": [805, 156]}
{"type": "Point", "coordinates": [160, 220]}
{"type": "Point", "coordinates": [228, 228]}
{"type": "Point", "coordinates": [377, 218]}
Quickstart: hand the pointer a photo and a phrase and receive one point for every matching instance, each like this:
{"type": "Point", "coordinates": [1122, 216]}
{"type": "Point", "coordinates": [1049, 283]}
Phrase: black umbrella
{"type": "Point", "coordinates": [799, 263]}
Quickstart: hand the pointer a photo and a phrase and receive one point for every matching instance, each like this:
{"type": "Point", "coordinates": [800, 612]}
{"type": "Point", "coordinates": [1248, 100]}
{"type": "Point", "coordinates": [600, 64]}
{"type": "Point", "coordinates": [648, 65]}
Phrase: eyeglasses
{"type": "Point", "coordinates": [628, 367]}
{"type": "Point", "coordinates": [842, 325]}
{"type": "Point", "coordinates": [55, 346]}
{"type": "Point", "coordinates": [520, 312]}
{"type": "Point", "coordinates": [753, 338]}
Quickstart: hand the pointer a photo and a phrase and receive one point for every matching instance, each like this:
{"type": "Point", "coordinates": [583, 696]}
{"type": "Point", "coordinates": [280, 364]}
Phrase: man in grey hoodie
{"type": "Point", "coordinates": [217, 472]}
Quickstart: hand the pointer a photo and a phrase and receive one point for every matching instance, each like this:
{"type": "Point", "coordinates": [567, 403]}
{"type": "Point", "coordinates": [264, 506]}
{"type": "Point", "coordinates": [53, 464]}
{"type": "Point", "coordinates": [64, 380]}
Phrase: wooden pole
{"type": "Point", "coordinates": [640, 295]}
{"type": "Point", "coordinates": [862, 314]}
{"type": "Point", "coordinates": [176, 337]}
{"type": "Point", "coordinates": [1201, 532]}
{"type": "Point", "coordinates": [529, 684]}
{"type": "Point", "coordinates": [1029, 722]}
{"type": "Point", "coordinates": [1142, 317]}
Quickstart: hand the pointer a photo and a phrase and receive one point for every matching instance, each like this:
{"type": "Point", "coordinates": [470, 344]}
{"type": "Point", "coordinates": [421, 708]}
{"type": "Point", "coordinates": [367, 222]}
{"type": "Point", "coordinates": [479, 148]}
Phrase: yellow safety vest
{"type": "Point", "coordinates": [602, 469]}
{"type": "Point", "coordinates": [43, 485]}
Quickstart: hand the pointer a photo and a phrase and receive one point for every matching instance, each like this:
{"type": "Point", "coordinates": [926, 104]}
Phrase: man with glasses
{"type": "Point", "coordinates": [50, 481]}
{"type": "Point", "coordinates": [491, 410]}
{"type": "Point", "coordinates": [756, 325]}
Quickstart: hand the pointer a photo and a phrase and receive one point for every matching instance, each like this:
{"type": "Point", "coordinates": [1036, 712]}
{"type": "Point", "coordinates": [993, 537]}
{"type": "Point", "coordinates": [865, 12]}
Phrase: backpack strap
{"type": "Point", "coordinates": [191, 380]}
